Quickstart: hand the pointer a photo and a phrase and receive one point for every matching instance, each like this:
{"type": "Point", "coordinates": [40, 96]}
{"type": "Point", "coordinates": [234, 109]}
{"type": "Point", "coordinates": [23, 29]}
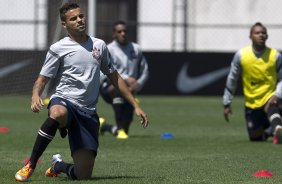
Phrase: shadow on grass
{"type": "Point", "coordinates": [143, 136]}
{"type": "Point", "coordinates": [114, 177]}
{"type": "Point", "coordinates": [95, 178]}
{"type": "Point", "coordinates": [137, 136]}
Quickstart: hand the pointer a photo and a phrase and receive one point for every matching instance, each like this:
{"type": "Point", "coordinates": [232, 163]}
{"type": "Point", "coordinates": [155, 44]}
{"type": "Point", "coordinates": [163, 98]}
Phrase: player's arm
{"type": "Point", "coordinates": [120, 85]}
{"type": "Point", "coordinates": [231, 84]}
{"type": "Point", "coordinates": [38, 87]}
{"type": "Point", "coordinates": [279, 65]}
{"type": "Point", "coordinates": [278, 92]}
{"type": "Point", "coordinates": [144, 73]}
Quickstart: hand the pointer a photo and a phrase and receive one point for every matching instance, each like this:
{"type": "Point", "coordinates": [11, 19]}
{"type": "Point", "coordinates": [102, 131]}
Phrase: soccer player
{"type": "Point", "coordinates": [133, 68]}
{"type": "Point", "coordinates": [260, 69]}
{"type": "Point", "coordinates": [75, 63]}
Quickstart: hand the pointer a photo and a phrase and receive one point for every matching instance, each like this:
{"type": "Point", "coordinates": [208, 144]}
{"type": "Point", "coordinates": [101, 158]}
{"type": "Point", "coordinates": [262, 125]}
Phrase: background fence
{"type": "Point", "coordinates": [159, 26]}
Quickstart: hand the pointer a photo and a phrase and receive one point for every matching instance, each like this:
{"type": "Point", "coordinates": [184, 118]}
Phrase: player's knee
{"type": "Point", "coordinates": [60, 114]}
{"type": "Point", "coordinates": [84, 170]}
{"type": "Point", "coordinates": [257, 135]}
{"type": "Point", "coordinates": [84, 163]}
{"type": "Point", "coordinates": [84, 175]}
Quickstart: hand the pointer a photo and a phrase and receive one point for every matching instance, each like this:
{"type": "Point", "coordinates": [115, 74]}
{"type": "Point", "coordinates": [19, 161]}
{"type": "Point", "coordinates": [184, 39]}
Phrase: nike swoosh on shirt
{"type": "Point", "coordinates": [4, 71]}
{"type": "Point", "coordinates": [188, 84]}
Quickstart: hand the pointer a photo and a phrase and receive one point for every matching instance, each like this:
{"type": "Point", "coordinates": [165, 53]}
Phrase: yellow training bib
{"type": "Point", "coordinates": [259, 76]}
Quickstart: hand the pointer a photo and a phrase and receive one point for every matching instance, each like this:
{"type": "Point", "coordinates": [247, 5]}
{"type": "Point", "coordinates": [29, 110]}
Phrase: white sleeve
{"type": "Point", "coordinates": [278, 91]}
{"type": "Point", "coordinates": [51, 64]}
{"type": "Point", "coordinates": [232, 79]}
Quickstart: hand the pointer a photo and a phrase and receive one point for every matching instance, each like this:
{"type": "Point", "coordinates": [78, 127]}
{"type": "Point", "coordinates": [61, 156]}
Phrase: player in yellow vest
{"type": "Point", "coordinates": [260, 69]}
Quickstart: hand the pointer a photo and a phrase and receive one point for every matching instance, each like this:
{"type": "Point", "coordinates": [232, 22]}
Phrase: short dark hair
{"type": "Point", "coordinates": [255, 25]}
{"type": "Point", "coordinates": [66, 7]}
{"type": "Point", "coordinates": [117, 23]}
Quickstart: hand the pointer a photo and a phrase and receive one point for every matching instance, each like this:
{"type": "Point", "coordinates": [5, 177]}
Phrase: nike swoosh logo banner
{"type": "Point", "coordinates": [187, 84]}
{"type": "Point", "coordinates": [4, 71]}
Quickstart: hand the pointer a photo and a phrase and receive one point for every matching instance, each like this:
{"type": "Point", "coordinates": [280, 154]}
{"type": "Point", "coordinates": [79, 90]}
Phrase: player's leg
{"type": "Point", "coordinates": [84, 149]}
{"type": "Point", "coordinates": [123, 115]}
{"type": "Point", "coordinates": [107, 127]}
{"type": "Point", "coordinates": [274, 117]}
{"type": "Point", "coordinates": [83, 163]}
{"type": "Point", "coordinates": [118, 104]}
{"type": "Point", "coordinates": [57, 117]}
{"type": "Point", "coordinates": [81, 169]}
{"type": "Point", "coordinates": [127, 113]}
{"type": "Point", "coordinates": [107, 93]}
{"type": "Point", "coordinates": [256, 121]}
{"type": "Point", "coordinates": [83, 130]}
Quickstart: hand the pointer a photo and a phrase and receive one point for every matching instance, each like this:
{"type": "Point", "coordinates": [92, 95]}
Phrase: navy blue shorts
{"type": "Point", "coordinates": [83, 128]}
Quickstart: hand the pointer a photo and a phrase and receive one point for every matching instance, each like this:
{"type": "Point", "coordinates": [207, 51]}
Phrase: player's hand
{"type": "Point", "coordinates": [272, 101]}
{"type": "Point", "coordinates": [142, 117]}
{"type": "Point", "coordinates": [36, 104]}
{"type": "Point", "coordinates": [226, 112]}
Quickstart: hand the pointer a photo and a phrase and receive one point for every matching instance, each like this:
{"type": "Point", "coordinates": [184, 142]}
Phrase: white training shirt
{"type": "Point", "coordinates": [130, 62]}
{"type": "Point", "coordinates": [76, 70]}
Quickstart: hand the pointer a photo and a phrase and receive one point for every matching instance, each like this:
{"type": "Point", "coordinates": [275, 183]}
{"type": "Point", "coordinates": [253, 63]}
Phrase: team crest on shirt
{"type": "Point", "coordinates": [96, 53]}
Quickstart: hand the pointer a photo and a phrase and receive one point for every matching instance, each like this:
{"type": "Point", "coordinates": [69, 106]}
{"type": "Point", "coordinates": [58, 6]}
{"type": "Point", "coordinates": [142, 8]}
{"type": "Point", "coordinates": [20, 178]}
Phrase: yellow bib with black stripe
{"type": "Point", "coordinates": [259, 76]}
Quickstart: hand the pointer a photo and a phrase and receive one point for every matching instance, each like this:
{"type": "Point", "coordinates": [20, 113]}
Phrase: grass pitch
{"type": "Point", "coordinates": [205, 149]}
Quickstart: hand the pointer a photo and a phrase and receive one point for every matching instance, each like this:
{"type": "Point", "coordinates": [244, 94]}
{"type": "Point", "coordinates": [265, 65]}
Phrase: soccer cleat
{"type": "Point", "coordinates": [277, 138]}
{"type": "Point", "coordinates": [46, 101]}
{"type": "Point", "coordinates": [24, 174]}
{"type": "Point", "coordinates": [121, 134]}
{"type": "Point", "coordinates": [50, 172]}
{"type": "Point", "coordinates": [137, 100]}
{"type": "Point", "coordinates": [102, 121]}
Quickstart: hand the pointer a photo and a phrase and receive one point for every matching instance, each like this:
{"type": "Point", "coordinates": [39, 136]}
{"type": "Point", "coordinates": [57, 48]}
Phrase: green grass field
{"type": "Point", "coordinates": [205, 149]}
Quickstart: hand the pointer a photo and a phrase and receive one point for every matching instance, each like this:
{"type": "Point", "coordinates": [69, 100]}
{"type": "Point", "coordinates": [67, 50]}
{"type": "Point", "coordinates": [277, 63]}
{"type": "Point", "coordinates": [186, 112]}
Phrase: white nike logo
{"type": "Point", "coordinates": [14, 67]}
{"type": "Point", "coordinates": [187, 84]}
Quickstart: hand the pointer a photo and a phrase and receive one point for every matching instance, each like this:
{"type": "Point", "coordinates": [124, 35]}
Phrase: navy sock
{"type": "Point", "coordinates": [62, 167]}
{"type": "Point", "coordinates": [117, 106]}
{"type": "Point", "coordinates": [106, 128]}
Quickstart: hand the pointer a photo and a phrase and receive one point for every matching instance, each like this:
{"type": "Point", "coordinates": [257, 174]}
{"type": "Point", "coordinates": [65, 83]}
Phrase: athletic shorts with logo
{"type": "Point", "coordinates": [83, 128]}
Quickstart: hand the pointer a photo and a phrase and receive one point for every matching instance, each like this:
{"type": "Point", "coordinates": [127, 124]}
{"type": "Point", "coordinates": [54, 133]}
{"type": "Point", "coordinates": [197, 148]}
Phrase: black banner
{"type": "Point", "coordinates": [19, 70]}
{"type": "Point", "coordinates": [171, 73]}
{"type": "Point", "coordinates": [187, 73]}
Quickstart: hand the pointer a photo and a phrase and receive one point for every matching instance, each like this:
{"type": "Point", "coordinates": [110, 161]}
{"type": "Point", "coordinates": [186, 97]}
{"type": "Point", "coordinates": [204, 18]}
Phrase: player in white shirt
{"type": "Point", "coordinates": [131, 64]}
{"type": "Point", "coordinates": [74, 63]}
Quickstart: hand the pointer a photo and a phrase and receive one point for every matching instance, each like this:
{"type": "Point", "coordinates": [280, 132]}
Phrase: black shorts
{"type": "Point", "coordinates": [104, 91]}
{"type": "Point", "coordinates": [83, 128]}
{"type": "Point", "coordinates": [257, 122]}
{"type": "Point", "coordinates": [125, 111]}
